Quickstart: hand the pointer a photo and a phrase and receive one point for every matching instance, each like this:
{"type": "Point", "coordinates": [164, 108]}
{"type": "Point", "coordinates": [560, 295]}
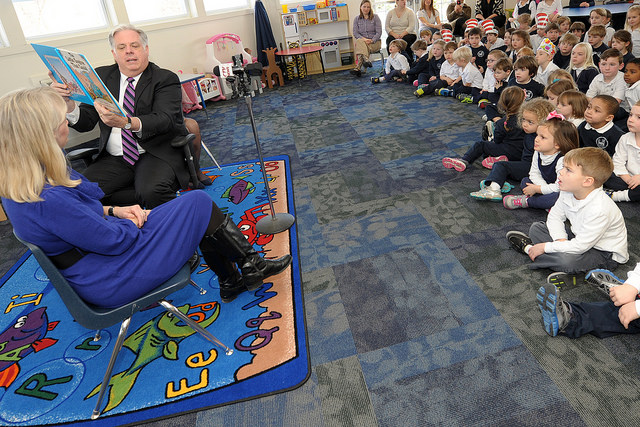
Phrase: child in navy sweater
{"type": "Point", "coordinates": [421, 66]}
{"type": "Point", "coordinates": [598, 129]}
{"type": "Point", "coordinates": [432, 74]}
{"type": "Point", "coordinates": [508, 139]}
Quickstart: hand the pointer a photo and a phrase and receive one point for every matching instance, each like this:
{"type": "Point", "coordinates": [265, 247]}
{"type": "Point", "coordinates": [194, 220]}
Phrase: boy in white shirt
{"type": "Point", "coordinates": [611, 82]}
{"type": "Point", "coordinates": [395, 64]}
{"type": "Point", "coordinates": [599, 237]}
{"type": "Point", "coordinates": [450, 73]}
{"type": "Point", "coordinates": [625, 181]}
{"type": "Point", "coordinates": [467, 90]}
{"type": "Point", "coordinates": [544, 56]}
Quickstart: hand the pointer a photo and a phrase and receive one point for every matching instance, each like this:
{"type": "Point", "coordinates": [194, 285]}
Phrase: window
{"type": "Point", "coordinates": [40, 18]}
{"type": "Point", "coordinates": [3, 37]}
{"type": "Point", "coordinates": [226, 5]}
{"type": "Point", "coordinates": [155, 10]}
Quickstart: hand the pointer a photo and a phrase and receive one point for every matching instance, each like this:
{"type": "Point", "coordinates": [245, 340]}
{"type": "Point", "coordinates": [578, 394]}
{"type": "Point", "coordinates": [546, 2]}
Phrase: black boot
{"type": "Point", "coordinates": [231, 283]}
{"type": "Point", "coordinates": [254, 268]}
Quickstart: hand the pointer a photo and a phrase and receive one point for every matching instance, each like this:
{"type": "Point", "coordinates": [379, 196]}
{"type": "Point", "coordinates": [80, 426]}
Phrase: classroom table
{"type": "Point", "coordinates": [302, 51]}
{"type": "Point", "coordinates": [618, 10]}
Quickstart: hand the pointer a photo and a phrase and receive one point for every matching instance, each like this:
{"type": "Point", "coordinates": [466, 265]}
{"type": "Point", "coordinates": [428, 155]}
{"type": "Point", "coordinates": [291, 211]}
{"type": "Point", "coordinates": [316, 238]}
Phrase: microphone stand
{"type": "Point", "coordinates": [275, 223]}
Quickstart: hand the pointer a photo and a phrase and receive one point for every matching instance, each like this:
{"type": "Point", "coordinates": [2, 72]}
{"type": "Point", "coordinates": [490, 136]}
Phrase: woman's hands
{"type": "Point", "coordinates": [134, 213]}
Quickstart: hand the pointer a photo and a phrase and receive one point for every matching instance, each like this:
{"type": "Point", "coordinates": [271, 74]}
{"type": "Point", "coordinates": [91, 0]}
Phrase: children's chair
{"type": "Point", "coordinates": [272, 71]}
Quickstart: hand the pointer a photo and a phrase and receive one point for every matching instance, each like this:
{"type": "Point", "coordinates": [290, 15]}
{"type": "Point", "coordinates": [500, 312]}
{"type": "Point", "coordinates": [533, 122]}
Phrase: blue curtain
{"type": "Point", "coordinates": [264, 34]}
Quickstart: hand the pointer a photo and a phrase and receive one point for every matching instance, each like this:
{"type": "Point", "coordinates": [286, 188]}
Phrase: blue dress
{"type": "Point", "coordinates": [122, 261]}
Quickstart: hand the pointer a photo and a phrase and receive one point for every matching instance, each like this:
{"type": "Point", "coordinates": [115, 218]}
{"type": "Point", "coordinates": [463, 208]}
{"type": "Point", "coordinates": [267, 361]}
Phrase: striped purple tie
{"type": "Point", "coordinates": [129, 146]}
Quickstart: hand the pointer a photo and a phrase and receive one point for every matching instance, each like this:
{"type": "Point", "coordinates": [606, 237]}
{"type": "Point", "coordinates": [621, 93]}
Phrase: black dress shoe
{"type": "Point", "coordinates": [367, 64]}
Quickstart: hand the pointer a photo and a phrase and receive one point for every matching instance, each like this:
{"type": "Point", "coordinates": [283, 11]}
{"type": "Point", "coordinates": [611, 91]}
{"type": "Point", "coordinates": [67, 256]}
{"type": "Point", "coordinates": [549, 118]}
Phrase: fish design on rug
{"type": "Point", "coordinates": [239, 191]}
{"type": "Point", "coordinates": [159, 337]}
{"type": "Point", "coordinates": [24, 336]}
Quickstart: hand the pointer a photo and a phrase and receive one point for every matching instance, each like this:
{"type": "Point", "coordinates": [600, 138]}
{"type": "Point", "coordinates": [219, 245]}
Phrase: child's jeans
{"type": "Point", "coordinates": [568, 263]}
{"type": "Point", "coordinates": [432, 86]}
{"type": "Point", "coordinates": [461, 88]}
{"type": "Point", "coordinates": [599, 319]}
{"type": "Point", "coordinates": [539, 201]}
{"type": "Point", "coordinates": [616, 183]}
{"type": "Point", "coordinates": [392, 75]}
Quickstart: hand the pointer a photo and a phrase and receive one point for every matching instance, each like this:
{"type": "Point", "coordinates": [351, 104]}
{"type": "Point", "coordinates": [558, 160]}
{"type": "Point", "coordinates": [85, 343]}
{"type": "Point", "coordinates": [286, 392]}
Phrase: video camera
{"type": "Point", "coordinates": [238, 76]}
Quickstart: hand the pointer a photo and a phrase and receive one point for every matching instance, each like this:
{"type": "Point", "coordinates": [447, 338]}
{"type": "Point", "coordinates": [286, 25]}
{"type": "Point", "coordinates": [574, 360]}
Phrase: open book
{"type": "Point", "coordinates": [74, 70]}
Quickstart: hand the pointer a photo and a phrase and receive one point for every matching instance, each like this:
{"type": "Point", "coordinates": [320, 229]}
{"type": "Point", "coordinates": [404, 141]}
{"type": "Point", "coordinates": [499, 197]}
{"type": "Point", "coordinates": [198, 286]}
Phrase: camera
{"type": "Point", "coordinates": [459, 2]}
{"type": "Point", "coordinates": [240, 79]}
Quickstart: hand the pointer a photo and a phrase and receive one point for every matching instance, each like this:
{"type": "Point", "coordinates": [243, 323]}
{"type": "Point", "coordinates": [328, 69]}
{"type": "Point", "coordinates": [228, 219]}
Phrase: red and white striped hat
{"type": "Point", "coordinates": [487, 25]}
{"type": "Point", "coordinates": [542, 19]}
{"type": "Point", "coordinates": [447, 35]}
{"type": "Point", "coordinates": [471, 23]}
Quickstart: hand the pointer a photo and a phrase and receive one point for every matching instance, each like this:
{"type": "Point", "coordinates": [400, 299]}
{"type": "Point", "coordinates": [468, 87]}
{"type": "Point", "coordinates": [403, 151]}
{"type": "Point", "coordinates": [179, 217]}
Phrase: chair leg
{"type": "Point", "coordinates": [186, 319]}
{"type": "Point", "coordinates": [195, 285]}
{"type": "Point", "coordinates": [112, 361]}
{"type": "Point", "coordinates": [210, 155]}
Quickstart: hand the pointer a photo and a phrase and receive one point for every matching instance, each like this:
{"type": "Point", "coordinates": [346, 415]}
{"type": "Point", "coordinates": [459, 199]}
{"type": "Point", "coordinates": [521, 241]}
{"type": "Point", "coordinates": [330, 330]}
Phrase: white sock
{"type": "Point", "coordinates": [526, 249]}
{"type": "Point", "coordinates": [621, 196]}
{"type": "Point", "coordinates": [494, 186]}
{"type": "Point", "coordinates": [381, 79]}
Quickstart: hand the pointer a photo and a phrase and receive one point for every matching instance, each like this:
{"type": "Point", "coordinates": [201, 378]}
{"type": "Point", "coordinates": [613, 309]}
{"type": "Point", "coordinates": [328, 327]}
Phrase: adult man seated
{"type": "Point", "coordinates": [457, 14]}
{"type": "Point", "coordinates": [134, 151]}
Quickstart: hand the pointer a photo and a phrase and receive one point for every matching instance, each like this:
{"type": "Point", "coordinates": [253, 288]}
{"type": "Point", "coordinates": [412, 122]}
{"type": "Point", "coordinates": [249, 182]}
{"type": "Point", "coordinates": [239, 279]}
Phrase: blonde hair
{"type": "Point", "coordinates": [635, 8]}
{"type": "Point", "coordinates": [538, 106]}
{"type": "Point", "coordinates": [439, 43]}
{"type": "Point", "coordinates": [29, 153]}
{"type": "Point", "coordinates": [588, 53]}
{"type": "Point", "coordinates": [595, 162]}
{"type": "Point", "coordinates": [462, 54]}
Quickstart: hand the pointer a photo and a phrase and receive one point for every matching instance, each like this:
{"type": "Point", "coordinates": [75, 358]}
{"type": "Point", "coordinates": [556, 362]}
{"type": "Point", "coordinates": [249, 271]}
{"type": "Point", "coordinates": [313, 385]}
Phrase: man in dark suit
{"type": "Point", "coordinates": [151, 175]}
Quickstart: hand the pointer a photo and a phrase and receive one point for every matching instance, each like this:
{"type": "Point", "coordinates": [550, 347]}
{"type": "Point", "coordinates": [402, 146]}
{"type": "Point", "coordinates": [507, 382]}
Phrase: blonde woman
{"type": "Point", "coordinates": [110, 255]}
{"type": "Point", "coordinates": [367, 31]}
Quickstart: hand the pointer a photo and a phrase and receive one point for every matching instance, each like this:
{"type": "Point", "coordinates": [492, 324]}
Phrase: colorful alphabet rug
{"type": "Point", "coordinates": [51, 369]}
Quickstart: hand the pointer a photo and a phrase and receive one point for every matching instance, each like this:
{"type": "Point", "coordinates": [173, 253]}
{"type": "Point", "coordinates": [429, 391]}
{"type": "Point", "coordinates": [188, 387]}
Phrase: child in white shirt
{"type": "Point", "coordinates": [395, 64]}
{"type": "Point", "coordinates": [625, 180]}
{"type": "Point", "coordinates": [468, 88]}
{"type": "Point", "coordinates": [544, 56]}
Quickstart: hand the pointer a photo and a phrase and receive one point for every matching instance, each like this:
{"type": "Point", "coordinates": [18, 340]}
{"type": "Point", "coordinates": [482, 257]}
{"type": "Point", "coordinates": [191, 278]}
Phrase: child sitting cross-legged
{"type": "Point", "coordinates": [625, 181]}
{"type": "Point", "coordinates": [429, 82]}
{"type": "Point", "coordinates": [532, 114]}
{"type": "Point", "coordinates": [525, 69]}
{"type": "Point", "coordinates": [396, 63]}
{"type": "Point", "coordinates": [555, 138]}
{"type": "Point", "coordinates": [467, 90]}
{"type": "Point", "coordinates": [598, 234]}
{"type": "Point", "coordinates": [598, 129]}
{"type": "Point", "coordinates": [489, 81]}
{"type": "Point", "coordinates": [420, 70]}
{"type": "Point", "coordinates": [508, 139]}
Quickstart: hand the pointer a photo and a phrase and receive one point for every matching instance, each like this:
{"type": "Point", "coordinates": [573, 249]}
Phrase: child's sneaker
{"type": "Point", "coordinates": [454, 163]}
{"type": "Point", "coordinates": [488, 130]}
{"type": "Point", "coordinates": [487, 193]}
{"type": "Point", "coordinates": [563, 280]}
{"type": "Point", "coordinates": [418, 93]}
{"type": "Point", "coordinates": [375, 80]}
{"type": "Point", "coordinates": [518, 241]}
{"type": "Point", "coordinates": [445, 92]}
{"type": "Point", "coordinates": [489, 161]}
{"type": "Point", "coordinates": [602, 279]}
{"type": "Point", "coordinates": [484, 118]}
{"type": "Point", "coordinates": [515, 202]}
{"type": "Point", "coordinates": [506, 187]}
{"type": "Point", "coordinates": [483, 103]}
{"type": "Point", "coordinates": [464, 98]}
{"type": "Point", "coordinates": [555, 312]}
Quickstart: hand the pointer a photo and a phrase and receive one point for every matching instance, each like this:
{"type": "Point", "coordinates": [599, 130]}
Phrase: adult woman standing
{"type": "Point", "coordinates": [109, 255]}
{"type": "Point", "coordinates": [367, 31]}
{"type": "Point", "coordinates": [428, 17]}
{"type": "Point", "coordinates": [491, 9]}
{"type": "Point", "coordinates": [401, 24]}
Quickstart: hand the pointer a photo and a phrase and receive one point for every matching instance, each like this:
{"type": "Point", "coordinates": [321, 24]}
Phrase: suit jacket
{"type": "Point", "coordinates": [158, 105]}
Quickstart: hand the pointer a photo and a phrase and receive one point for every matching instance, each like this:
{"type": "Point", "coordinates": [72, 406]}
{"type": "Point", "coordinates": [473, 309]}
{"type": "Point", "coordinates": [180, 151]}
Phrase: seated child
{"type": "Point", "coordinates": [572, 104]}
{"type": "Point", "coordinates": [601, 319]}
{"type": "Point", "coordinates": [493, 41]}
{"type": "Point", "coordinates": [553, 33]}
{"type": "Point", "coordinates": [524, 22]}
{"type": "Point", "coordinates": [561, 75]}
{"type": "Point", "coordinates": [610, 81]}
{"type": "Point", "coordinates": [502, 72]}
{"type": "Point", "coordinates": [578, 29]}
{"type": "Point", "coordinates": [631, 78]}
{"type": "Point", "coordinates": [489, 81]}
{"type": "Point", "coordinates": [544, 57]}
{"type": "Point", "coordinates": [599, 16]}
{"type": "Point", "coordinates": [507, 41]}
{"type": "Point", "coordinates": [468, 88]}
{"type": "Point", "coordinates": [395, 64]}
{"type": "Point", "coordinates": [583, 70]}
{"type": "Point", "coordinates": [555, 138]}
{"type": "Point", "coordinates": [448, 76]}
{"type": "Point", "coordinates": [632, 24]}
{"type": "Point", "coordinates": [421, 66]}
{"type": "Point", "coordinates": [478, 51]}
{"type": "Point", "coordinates": [532, 114]}
{"type": "Point", "coordinates": [553, 91]}
{"type": "Point", "coordinates": [519, 39]}
{"type": "Point", "coordinates": [525, 51]}
{"type": "Point", "coordinates": [434, 63]}
{"type": "Point", "coordinates": [626, 162]}
{"type": "Point", "coordinates": [562, 57]}
{"type": "Point", "coordinates": [541, 31]}
{"type": "Point", "coordinates": [595, 37]}
{"type": "Point", "coordinates": [598, 234]}
{"type": "Point", "coordinates": [564, 23]}
{"type": "Point", "coordinates": [598, 129]}
{"type": "Point", "coordinates": [508, 140]}
{"type": "Point", "coordinates": [525, 70]}
{"type": "Point", "coordinates": [622, 41]}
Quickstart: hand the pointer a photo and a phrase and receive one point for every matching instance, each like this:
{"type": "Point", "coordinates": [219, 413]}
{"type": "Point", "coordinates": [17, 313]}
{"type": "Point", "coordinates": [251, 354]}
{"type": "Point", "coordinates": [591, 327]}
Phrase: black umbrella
{"type": "Point", "coordinates": [264, 34]}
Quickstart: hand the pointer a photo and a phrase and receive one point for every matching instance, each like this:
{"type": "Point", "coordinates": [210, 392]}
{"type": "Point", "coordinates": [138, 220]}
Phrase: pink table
{"type": "Point", "coordinates": [302, 51]}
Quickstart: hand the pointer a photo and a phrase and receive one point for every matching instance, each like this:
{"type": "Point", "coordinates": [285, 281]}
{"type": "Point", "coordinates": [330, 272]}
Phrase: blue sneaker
{"type": "Point", "coordinates": [506, 187]}
{"type": "Point", "coordinates": [445, 92]}
{"type": "Point", "coordinates": [602, 279]}
{"type": "Point", "coordinates": [555, 312]}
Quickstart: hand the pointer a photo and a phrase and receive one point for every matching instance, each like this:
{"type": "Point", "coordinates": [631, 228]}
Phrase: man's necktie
{"type": "Point", "coordinates": [129, 146]}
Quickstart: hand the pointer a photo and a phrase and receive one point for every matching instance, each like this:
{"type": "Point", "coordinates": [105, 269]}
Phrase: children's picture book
{"type": "Point", "coordinates": [74, 70]}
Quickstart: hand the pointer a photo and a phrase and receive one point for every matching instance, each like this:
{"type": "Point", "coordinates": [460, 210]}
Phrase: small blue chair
{"type": "Point", "coordinates": [97, 318]}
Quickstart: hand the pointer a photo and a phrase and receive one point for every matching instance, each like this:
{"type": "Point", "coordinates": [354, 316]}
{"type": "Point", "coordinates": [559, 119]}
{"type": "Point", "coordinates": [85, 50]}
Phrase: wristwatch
{"type": "Point", "coordinates": [128, 125]}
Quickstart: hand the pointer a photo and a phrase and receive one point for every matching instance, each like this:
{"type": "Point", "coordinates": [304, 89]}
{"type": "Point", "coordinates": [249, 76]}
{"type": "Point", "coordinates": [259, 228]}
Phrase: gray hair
{"type": "Point", "coordinates": [124, 27]}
